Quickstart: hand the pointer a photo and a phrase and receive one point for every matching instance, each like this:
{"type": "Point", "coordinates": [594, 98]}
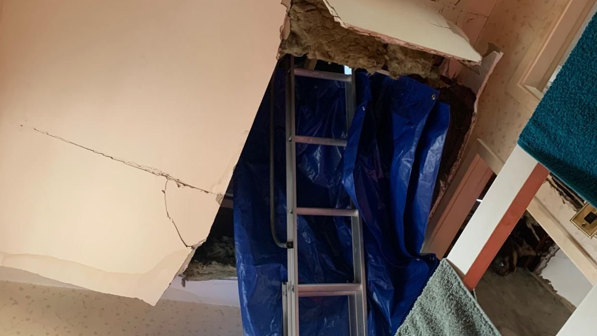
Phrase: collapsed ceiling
{"type": "Point", "coordinates": [314, 32]}
{"type": "Point", "coordinates": [401, 36]}
{"type": "Point", "coordinates": [98, 118]}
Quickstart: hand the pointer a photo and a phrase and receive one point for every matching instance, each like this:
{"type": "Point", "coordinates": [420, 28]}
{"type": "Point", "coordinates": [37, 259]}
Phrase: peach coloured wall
{"type": "Point", "coordinates": [120, 124]}
{"type": "Point", "coordinates": [514, 25]}
{"type": "Point", "coordinates": [27, 309]}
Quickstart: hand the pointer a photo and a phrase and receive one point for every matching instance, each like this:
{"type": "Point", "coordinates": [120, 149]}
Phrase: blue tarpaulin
{"type": "Point", "coordinates": [388, 170]}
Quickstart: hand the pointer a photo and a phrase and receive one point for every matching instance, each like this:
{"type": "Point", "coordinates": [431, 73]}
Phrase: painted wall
{"type": "Point", "coordinates": [120, 124]}
{"type": "Point", "coordinates": [27, 309]}
{"type": "Point", "coordinates": [566, 279]}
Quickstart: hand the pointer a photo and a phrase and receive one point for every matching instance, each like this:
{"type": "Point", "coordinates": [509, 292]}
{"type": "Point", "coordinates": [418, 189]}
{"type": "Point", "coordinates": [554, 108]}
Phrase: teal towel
{"type": "Point", "coordinates": [446, 308]}
{"type": "Point", "coordinates": [562, 133]}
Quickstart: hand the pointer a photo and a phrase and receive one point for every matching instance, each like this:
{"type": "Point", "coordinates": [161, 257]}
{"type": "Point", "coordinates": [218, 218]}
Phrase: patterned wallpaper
{"type": "Point", "coordinates": [513, 26]}
{"type": "Point", "coordinates": [33, 310]}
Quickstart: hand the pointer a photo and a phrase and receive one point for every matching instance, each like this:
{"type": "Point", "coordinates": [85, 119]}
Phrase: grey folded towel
{"type": "Point", "coordinates": [446, 308]}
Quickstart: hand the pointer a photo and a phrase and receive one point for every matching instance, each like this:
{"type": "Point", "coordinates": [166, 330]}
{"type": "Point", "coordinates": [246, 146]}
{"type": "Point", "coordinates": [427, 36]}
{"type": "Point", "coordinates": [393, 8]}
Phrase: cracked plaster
{"type": "Point", "coordinates": [101, 125]}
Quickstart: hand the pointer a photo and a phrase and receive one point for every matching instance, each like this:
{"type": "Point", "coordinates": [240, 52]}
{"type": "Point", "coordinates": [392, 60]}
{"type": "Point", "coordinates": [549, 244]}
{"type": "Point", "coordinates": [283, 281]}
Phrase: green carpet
{"type": "Point", "coordinates": [446, 308]}
{"type": "Point", "coordinates": [562, 133]}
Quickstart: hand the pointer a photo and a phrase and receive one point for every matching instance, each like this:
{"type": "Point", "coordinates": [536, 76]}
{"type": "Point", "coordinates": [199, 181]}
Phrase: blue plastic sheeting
{"type": "Point", "coordinates": [391, 164]}
{"type": "Point", "coordinates": [389, 171]}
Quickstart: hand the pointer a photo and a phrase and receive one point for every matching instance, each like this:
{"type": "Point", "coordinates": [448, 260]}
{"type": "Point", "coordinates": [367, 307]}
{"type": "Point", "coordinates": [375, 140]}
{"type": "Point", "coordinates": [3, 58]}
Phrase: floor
{"type": "Point", "coordinates": [520, 305]}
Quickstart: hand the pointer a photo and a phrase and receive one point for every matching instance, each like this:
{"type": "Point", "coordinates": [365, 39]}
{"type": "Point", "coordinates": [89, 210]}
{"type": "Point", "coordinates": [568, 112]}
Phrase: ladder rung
{"type": "Point", "coordinates": [314, 290]}
{"type": "Point", "coordinates": [322, 75]}
{"type": "Point", "coordinates": [319, 141]}
{"type": "Point", "coordinates": [327, 212]}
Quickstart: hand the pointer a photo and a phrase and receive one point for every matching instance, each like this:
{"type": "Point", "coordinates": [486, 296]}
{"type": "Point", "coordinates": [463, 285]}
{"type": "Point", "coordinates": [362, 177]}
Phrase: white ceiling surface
{"type": "Point", "coordinates": [216, 292]}
{"type": "Point", "coordinates": [102, 103]}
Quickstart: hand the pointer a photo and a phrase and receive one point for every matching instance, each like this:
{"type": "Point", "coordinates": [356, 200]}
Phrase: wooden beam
{"type": "Point", "coordinates": [492, 223]}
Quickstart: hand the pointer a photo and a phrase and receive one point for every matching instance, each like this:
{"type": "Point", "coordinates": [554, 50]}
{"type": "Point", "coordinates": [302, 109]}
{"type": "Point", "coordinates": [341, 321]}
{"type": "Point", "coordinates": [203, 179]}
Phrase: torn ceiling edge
{"type": "Point", "coordinates": [100, 128]}
{"type": "Point", "coordinates": [93, 222]}
{"type": "Point", "coordinates": [475, 79]}
{"type": "Point", "coordinates": [316, 29]}
{"type": "Point", "coordinates": [148, 286]}
{"type": "Point", "coordinates": [413, 24]}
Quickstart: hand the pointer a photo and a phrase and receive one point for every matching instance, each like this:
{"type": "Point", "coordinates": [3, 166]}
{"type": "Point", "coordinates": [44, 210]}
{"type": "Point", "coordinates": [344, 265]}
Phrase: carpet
{"type": "Point", "coordinates": [446, 308]}
{"type": "Point", "coordinates": [562, 133]}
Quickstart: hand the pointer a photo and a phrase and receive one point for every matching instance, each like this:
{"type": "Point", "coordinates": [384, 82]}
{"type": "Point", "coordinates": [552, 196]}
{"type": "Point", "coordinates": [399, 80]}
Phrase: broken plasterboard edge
{"type": "Point", "coordinates": [107, 230]}
{"type": "Point", "coordinates": [384, 23]}
{"type": "Point", "coordinates": [475, 79]}
{"type": "Point", "coordinates": [315, 33]}
{"type": "Point", "coordinates": [148, 287]}
{"type": "Point", "coordinates": [285, 28]}
{"type": "Point", "coordinates": [191, 221]}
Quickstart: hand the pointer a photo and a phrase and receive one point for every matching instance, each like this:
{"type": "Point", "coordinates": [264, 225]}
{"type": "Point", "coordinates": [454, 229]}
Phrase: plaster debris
{"type": "Point", "coordinates": [315, 33]}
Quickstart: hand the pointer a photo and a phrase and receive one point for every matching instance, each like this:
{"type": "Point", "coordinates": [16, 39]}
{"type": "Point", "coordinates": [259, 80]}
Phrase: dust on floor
{"type": "Point", "coordinates": [519, 304]}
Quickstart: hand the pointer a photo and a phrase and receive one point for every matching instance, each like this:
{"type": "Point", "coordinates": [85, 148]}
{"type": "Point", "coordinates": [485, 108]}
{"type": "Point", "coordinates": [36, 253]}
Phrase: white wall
{"type": "Point", "coordinates": [582, 321]}
{"type": "Point", "coordinates": [566, 279]}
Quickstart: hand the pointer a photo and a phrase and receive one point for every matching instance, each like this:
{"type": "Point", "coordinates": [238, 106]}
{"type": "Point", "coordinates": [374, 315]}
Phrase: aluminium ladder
{"type": "Point", "coordinates": [292, 290]}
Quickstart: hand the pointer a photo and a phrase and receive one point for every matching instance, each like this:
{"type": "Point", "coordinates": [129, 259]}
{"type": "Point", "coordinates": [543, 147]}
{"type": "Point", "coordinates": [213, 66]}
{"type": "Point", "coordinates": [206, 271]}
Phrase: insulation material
{"type": "Point", "coordinates": [117, 132]}
{"type": "Point", "coordinates": [410, 23]}
{"type": "Point", "coordinates": [391, 182]}
{"type": "Point", "coordinates": [315, 33]}
{"type": "Point", "coordinates": [333, 31]}
{"type": "Point", "coordinates": [212, 260]}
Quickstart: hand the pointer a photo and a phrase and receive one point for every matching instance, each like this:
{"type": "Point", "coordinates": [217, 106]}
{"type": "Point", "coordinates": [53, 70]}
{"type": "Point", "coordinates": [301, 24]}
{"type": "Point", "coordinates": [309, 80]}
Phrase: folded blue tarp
{"type": "Point", "coordinates": [388, 169]}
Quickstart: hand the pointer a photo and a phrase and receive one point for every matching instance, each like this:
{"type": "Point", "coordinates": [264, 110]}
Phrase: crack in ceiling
{"type": "Point", "coordinates": [146, 169]}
